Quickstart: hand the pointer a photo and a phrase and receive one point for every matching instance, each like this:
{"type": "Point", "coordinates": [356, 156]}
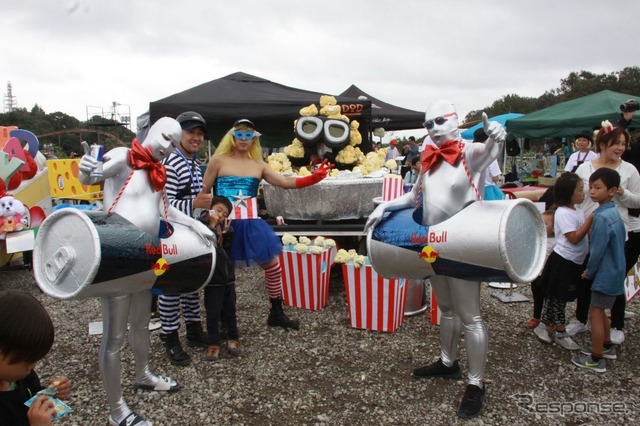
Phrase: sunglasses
{"type": "Point", "coordinates": [246, 134]}
{"type": "Point", "coordinates": [438, 120]}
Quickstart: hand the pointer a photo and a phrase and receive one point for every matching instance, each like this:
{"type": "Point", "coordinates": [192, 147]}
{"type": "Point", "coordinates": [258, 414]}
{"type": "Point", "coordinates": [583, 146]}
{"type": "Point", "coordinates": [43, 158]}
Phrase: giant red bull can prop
{"type": "Point", "coordinates": [486, 241]}
{"type": "Point", "coordinates": [81, 254]}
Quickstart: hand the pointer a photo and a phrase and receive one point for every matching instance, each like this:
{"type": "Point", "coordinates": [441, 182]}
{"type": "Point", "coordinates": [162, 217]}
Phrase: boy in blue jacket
{"type": "Point", "coordinates": [606, 267]}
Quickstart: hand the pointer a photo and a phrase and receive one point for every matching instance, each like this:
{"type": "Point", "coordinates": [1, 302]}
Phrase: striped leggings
{"type": "Point", "coordinates": [169, 310]}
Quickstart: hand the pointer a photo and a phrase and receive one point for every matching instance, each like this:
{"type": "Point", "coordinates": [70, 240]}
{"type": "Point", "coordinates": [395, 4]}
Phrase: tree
{"type": "Point", "coordinates": [575, 85]}
{"type": "Point", "coordinates": [59, 126]}
{"type": "Point", "coordinates": [505, 105]}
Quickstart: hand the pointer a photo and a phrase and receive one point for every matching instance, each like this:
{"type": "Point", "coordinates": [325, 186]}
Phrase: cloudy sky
{"type": "Point", "coordinates": [79, 55]}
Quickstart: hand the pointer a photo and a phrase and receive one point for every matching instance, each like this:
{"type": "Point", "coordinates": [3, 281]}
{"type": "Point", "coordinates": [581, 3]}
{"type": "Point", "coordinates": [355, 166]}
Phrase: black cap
{"type": "Point", "coordinates": [584, 134]}
{"type": "Point", "coordinates": [244, 121]}
{"type": "Point", "coordinates": [191, 120]}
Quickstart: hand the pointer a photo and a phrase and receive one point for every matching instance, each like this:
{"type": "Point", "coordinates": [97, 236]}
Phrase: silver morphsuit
{"type": "Point", "coordinates": [446, 189]}
{"type": "Point", "coordinates": [137, 201]}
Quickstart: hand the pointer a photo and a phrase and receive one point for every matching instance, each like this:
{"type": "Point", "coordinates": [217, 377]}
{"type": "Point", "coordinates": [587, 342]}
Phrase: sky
{"type": "Point", "coordinates": [81, 56]}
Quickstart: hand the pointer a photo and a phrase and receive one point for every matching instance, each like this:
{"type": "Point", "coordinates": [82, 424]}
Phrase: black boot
{"type": "Point", "coordinates": [196, 335]}
{"type": "Point", "coordinates": [174, 350]}
{"type": "Point", "coordinates": [277, 317]}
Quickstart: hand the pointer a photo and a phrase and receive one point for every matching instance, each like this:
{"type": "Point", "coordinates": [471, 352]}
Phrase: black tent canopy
{"type": "Point", "coordinates": [385, 115]}
{"type": "Point", "coordinates": [271, 106]}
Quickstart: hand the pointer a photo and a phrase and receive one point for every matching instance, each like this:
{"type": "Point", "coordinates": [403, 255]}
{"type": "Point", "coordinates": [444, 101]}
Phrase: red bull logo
{"type": "Point", "coordinates": [429, 254]}
{"type": "Point", "coordinates": [429, 238]}
{"type": "Point", "coordinates": [160, 267]}
{"type": "Point", "coordinates": [162, 249]}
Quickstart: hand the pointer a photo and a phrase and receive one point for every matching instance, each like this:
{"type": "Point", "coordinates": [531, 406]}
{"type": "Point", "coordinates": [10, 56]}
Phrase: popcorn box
{"type": "Point", "coordinates": [374, 303]}
{"type": "Point", "coordinates": [392, 187]}
{"type": "Point", "coordinates": [305, 278]}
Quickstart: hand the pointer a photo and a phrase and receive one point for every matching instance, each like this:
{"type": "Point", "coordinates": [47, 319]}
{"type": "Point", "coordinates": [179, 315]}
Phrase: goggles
{"type": "Point", "coordinates": [333, 133]}
{"type": "Point", "coordinates": [438, 120]}
{"type": "Point", "coordinates": [245, 134]}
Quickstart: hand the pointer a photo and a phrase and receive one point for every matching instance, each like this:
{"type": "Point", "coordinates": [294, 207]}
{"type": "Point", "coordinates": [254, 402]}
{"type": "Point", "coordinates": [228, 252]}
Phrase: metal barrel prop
{"type": "Point", "coordinates": [80, 254]}
{"type": "Point", "coordinates": [486, 241]}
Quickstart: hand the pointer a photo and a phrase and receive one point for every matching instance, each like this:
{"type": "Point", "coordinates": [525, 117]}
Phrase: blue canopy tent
{"type": "Point", "coordinates": [502, 119]}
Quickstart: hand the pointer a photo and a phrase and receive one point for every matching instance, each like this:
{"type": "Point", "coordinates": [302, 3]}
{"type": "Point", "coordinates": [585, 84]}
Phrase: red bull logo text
{"type": "Point", "coordinates": [431, 237]}
{"type": "Point", "coordinates": [162, 249]}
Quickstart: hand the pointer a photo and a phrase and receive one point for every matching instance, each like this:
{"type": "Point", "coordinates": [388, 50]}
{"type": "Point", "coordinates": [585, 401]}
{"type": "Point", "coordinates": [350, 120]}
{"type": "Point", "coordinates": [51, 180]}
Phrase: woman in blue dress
{"type": "Point", "coordinates": [235, 171]}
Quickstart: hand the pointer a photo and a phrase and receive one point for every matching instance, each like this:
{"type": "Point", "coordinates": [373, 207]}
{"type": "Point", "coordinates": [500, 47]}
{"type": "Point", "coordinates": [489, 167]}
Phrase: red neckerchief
{"type": "Point", "coordinates": [449, 152]}
{"type": "Point", "coordinates": [141, 158]}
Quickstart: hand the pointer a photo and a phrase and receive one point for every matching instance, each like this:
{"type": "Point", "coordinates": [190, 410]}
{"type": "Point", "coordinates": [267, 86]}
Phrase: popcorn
{"type": "Point", "coordinates": [300, 248]}
{"type": "Point", "coordinates": [319, 241]}
{"type": "Point", "coordinates": [329, 242]}
{"type": "Point", "coordinates": [342, 256]}
{"type": "Point", "coordinates": [288, 239]}
{"type": "Point", "coordinates": [350, 256]}
{"type": "Point", "coordinates": [391, 164]}
{"type": "Point", "coordinates": [305, 240]}
{"type": "Point", "coordinates": [279, 163]}
{"type": "Point", "coordinates": [303, 171]}
{"type": "Point", "coordinates": [316, 249]}
{"type": "Point", "coordinates": [327, 100]}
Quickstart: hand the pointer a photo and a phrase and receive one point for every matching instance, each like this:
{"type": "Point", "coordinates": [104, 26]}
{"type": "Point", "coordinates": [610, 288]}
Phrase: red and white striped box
{"type": "Point", "coordinates": [392, 187]}
{"type": "Point", "coordinates": [305, 278]}
{"type": "Point", "coordinates": [374, 303]}
{"type": "Point", "coordinates": [434, 312]}
{"type": "Point", "coordinates": [244, 208]}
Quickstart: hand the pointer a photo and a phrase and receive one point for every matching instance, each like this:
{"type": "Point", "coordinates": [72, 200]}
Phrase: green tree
{"type": "Point", "coordinates": [575, 85]}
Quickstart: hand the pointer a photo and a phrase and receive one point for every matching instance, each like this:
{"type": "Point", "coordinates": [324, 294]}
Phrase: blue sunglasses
{"type": "Point", "coordinates": [246, 134]}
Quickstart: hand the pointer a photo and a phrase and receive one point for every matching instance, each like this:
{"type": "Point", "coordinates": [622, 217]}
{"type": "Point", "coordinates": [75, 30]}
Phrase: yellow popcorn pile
{"type": "Point", "coordinates": [304, 240]}
{"type": "Point", "coordinates": [296, 149]}
{"type": "Point", "coordinates": [305, 245]}
{"type": "Point", "coordinates": [391, 164]}
{"type": "Point", "coordinates": [352, 256]}
{"type": "Point", "coordinates": [349, 155]}
{"type": "Point", "coordinates": [289, 239]}
{"type": "Point", "coordinates": [301, 248]}
{"type": "Point", "coordinates": [316, 249]}
{"type": "Point", "coordinates": [372, 162]}
{"type": "Point", "coordinates": [279, 162]}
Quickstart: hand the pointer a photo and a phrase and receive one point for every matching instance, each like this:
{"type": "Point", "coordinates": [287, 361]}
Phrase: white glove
{"type": "Point", "coordinates": [375, 217]}
{"type": "Point", "coordinates": [87, 163]}
{"type": "Point", "coordinates": [493, 129]}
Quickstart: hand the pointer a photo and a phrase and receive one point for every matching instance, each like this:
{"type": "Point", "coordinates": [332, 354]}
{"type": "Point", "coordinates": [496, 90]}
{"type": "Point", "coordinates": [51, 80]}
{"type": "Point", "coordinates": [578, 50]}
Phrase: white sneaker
{"type": "Point", "coordinates": [617, 336]}
{"type": "Point", "coordinates": [576, 327]}
{"type": "Point", "coordinates": [542, 332]}
{"type": "Point", "coordinates": [566, 342]}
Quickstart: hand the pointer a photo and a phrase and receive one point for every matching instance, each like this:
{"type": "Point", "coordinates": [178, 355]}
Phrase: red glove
{"type": "Point", "coordinates": [317, 176]}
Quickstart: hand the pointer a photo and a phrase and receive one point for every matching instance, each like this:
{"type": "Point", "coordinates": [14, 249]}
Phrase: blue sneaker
{"type": "Point", "coordinates": [585, 361]}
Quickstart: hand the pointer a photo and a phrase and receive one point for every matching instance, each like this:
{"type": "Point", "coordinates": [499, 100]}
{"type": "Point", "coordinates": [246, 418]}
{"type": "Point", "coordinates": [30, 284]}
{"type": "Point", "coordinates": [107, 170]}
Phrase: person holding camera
{"type": "Point", "coordinates": [184, 192]}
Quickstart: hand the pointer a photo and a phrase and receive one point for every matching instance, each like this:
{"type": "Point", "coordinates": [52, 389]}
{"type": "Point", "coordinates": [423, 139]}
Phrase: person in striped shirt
{"type": "Point", "coordinates": [184, 192]}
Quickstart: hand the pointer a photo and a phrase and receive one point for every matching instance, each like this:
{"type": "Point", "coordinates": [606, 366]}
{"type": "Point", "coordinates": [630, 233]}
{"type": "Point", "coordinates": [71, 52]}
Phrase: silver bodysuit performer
{"type": "Point", "coordinates": [446, 187]}
{"type": "Point", "coordinates": [133, 192]}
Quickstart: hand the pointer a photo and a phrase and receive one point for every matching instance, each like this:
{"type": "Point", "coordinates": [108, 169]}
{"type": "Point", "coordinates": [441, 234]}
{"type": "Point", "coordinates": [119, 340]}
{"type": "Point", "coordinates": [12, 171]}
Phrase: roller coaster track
{"type": "Point", "coordinates": [99, 132]}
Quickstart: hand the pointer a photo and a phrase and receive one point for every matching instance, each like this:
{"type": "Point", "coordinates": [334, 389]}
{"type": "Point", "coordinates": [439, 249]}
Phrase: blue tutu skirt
{"type": "Point", "coordinates": [254, 242]}
{"type": "Point", "coordinates": [492, 192]}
